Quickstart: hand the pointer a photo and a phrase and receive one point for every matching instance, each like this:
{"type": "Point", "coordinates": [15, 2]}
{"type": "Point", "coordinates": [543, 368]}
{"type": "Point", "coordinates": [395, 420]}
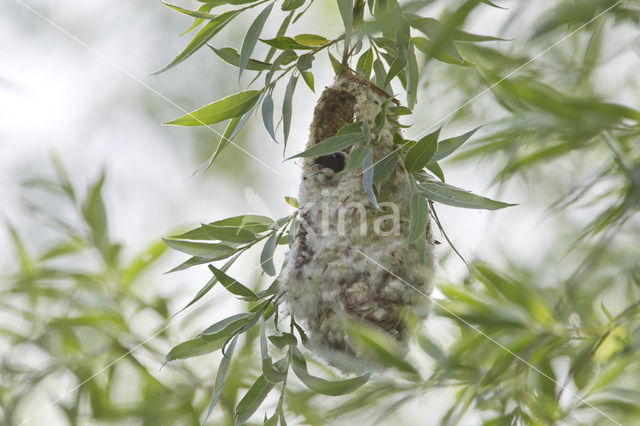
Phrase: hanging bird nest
{"type": "Point", "coordinates": [350, 260]}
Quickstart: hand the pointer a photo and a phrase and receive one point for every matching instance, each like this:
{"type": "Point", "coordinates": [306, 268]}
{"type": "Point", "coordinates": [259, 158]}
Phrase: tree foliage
{"type": "Point", "coordinates": [553, 341]}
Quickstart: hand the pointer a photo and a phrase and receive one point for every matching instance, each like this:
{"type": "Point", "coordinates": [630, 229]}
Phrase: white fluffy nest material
{"type": "Point", "coordinates": [329, 277]}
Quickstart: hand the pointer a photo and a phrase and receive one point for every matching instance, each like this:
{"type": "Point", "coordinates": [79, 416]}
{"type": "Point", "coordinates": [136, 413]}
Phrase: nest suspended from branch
{"type": "Point", "coordinates": [349, 259]}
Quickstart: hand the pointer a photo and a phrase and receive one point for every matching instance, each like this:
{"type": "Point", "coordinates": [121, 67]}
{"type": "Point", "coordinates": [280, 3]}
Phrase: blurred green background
{"type": "Point", "coordinates": [90, 181]}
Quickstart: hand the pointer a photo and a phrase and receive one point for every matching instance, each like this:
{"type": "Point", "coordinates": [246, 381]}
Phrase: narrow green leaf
{"type": "Point", "coordinates": [252, 399]}
{"type": "Point", "coordinates": [272, 290]}
{"type": "Point", "coordinates": [517, 292]}
{"type": "Point", "coordinates": [261, 307]}
{"type": "Point", "coordinates": [200, 14]}
{"type": "Point", "coordinates": [356, 158]}
{"type": "Point", "coordinates": [232, 57]}
{"type": "Point", "coordinates": [211, 251]}
{"type": "Point", "coordinates": [271, 373]}
{"type": "Point", "coordinates": [380, 119]}
{"type": "Point", "coordinates": [221, 376]}
{"type": "Point", "coordinates": [434, 29]}
{"type": "Point", "coordinates": [305, 62]}
{"type": "Point", "coordinates": [365, 64]}
{"type": "Point", "coordinates": [134, 269]}
{"type": "Point", "coordinates": [350, 128]}
{"type": "Point", "coordinates": [225, 140]}
{"type": "Point", "coordinates": [335, 64]}
{"type": "Point", "coordinates": [251, 223]}
{"type": "Point", "coordinates": [271, 421]}
{"type": "Point", "coordinates": [226, 327]}
{"type": "Point", "coordinates": [331, 145]}
{"type": "Point", "coordinates": [209, 285]}
{"type": "Point", "coordinates": [310, 40]}
{"type": "Point", "coordinates": [383, 7]}
{"type": "Point", "coordinates": [287, 108]}
{"type": "Point", "coordinates": [381, 347]}
{"type": "Point", "coordinates": [491, 4]}
{"type": "Point", "coordinates": [195, 14]}
{"type": "Point", "coordinates": [464, 36]}
{"type": "Point", "coordinates": [413, 76]}
{"type": "Point", "coordinates": [223, 109]}
{"type": "Point", "coordinates": [419, 214]}
{"type": "Point", "coordinates": [436, 170]}
{"type": "Point", "coordinates": [283, 58]}
{"type": "Point", "coordinates": [293, 202]}
{"type": "Point", "coordinates": [230, 234]}
{"type": "Point", "coordinates": [431, 348]}
{"type": "Point", "coordinates": [322, 386]}
{"type": "Point", "coordinates": [284, 340]}
{"type": "Point", "coordinates": [258, 312]}
{"type": "Point", "coordinates": [281, 31]}
{"type": "Point", "coordinates": [205, 8]}
{"type": "Point", "coordinates": [450, 195]}
{"type": "Point", "coordinates": [194, 234]}
{"type": "Point", "coordinates": [396, 68]}
{"type": "Point", "coordinates": [266, 256]}
{"type": "Point", "coordinates": [281, 415]}
{"type": "Point", "coordinates": [204, 35]}
{"type": "Point", "coordinates": [346, 12]}
{"type": "Point", "coordinates": [215, 3]}
{"type": "Point", "coordinates": [367, 178]}
{"type": "Point", "coordinates": [422, 152]}
{"type": "Point", "coordinates": [427, 47]}
{"type": "Point", "coordinates": [399, 110]}
{"type": "Point", "coordinates": [303, 335]}
{"type": "Point", "coordinates": [358, 15]}
{"type": "Point", "coordinates": [193, 261]}
{"type": "Point", "coordinates": [610, 372]}
{"type": "Point", "coordinates": [264, 350]}
{"type": "Point", "coordinates": [267, 115]}
{"type": "Point", "coordinates": [448, 146]}
{"type": "Point", "coordinates": [387, 44]}
{"type": "Point", "coordinates": [95, 214]}
{"type": "Point", "coordinates": [246, 116]}
{"type": "Point", "coordinates": [403, 38]}
{"type": "Point", "coordinates": [26, 262]}
{"type": "Point", "coordinates": [593, 52]}
{"type": "Point", "coordinates": [307, 76]}
{"type": "Point", "coordinates": [232, 285]}
{"type": "Point", "coordinates": [381, 74]}
{"type": "Point", "coordinates": [399, 141]}
{"type": "Point", "coordinates": [251, 39]}
{"type": "Point", "coordinates": [292, 4]}
{"type": "Point", "coordinates": [272, 308]}
{"type": "Point", "coordinates": [284, 43]}
{"type": "Point", "coordinates": [194, 347]}
{"type": "Point", "coordinates": [384, 168]}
